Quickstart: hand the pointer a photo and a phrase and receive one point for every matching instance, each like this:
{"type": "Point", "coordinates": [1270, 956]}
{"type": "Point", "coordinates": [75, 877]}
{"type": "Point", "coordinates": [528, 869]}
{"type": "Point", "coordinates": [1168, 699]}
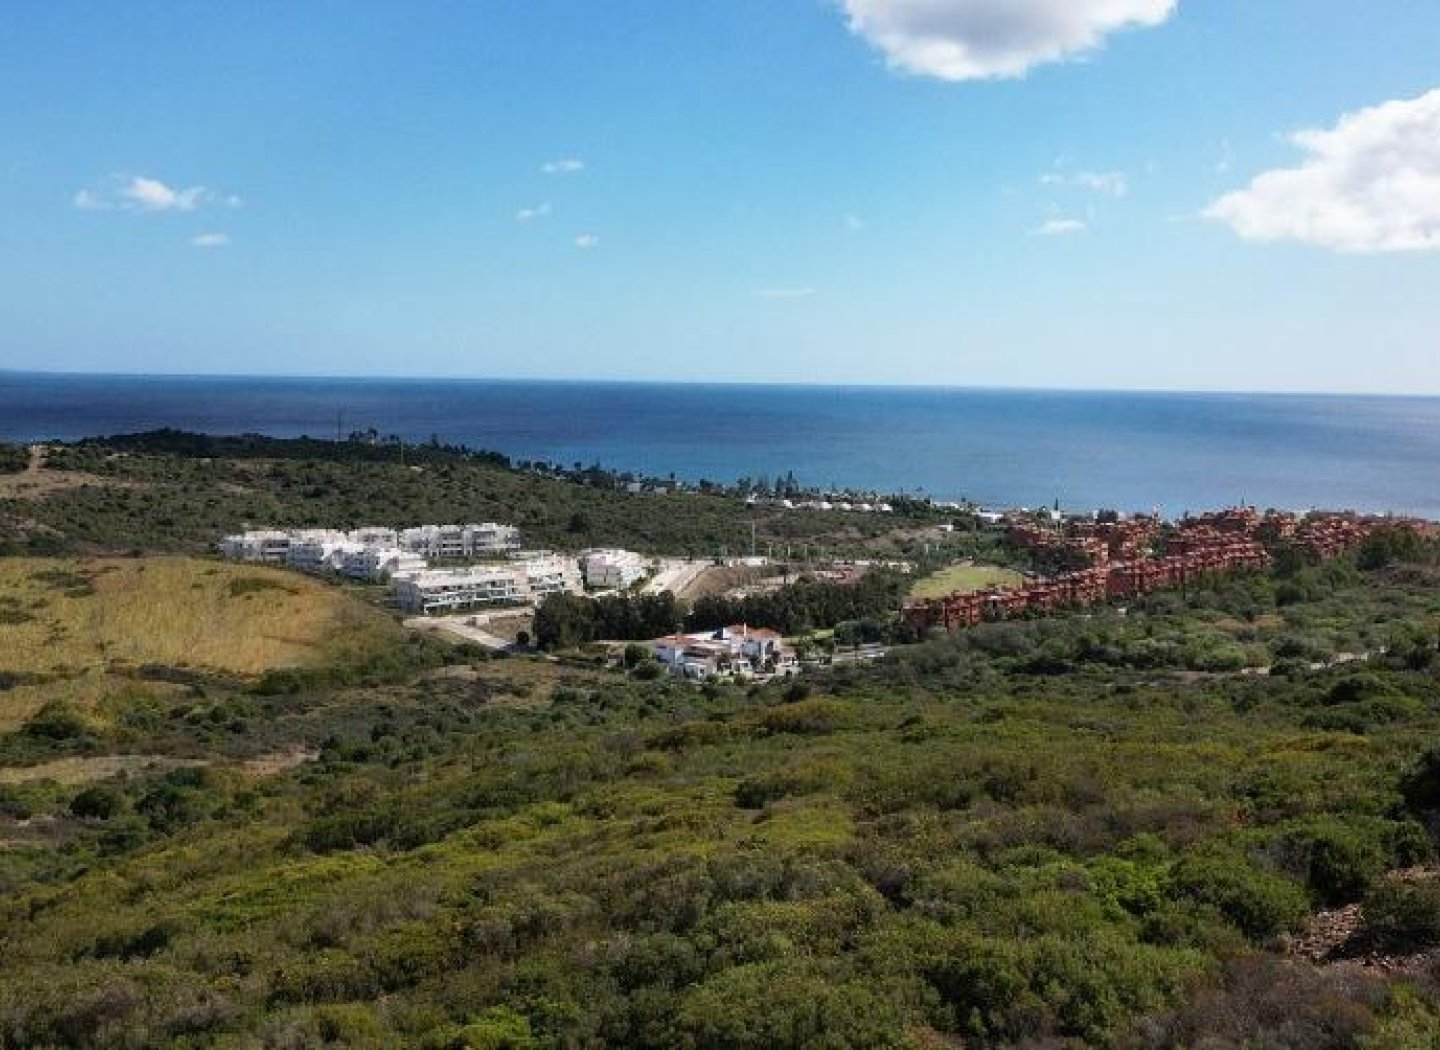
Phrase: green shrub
{"type": "Point", "coordinates": [97, 803]}
{"type": "Point", "coordinates": [1403, 915]}
{"type": "Point", "coordinates": [1261, 903]}
{"type": "Point", "coordinates": [58, 720]}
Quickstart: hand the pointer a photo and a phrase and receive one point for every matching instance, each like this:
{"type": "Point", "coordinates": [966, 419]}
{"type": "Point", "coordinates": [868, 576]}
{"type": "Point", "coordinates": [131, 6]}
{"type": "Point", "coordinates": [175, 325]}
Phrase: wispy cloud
{"type": "Point", "coordinates": [1060, 228]}
{"type": "Point", "coordinates": [142, 193]}
{"type": "Point", "coordinates": [564, 166]}
{"type": "Point", "coordinates": [987, 39]}
{"type": "Point", "coordinates": [1110, 183]}
{"type": "Point", "coordinates": [1369, 184]}
{"type": "Point", "coordinates": [854, 223]}
{"type": "Point", "coordinates": [539, 211]}
{"type": "Point", "coordinates": [210, 240]}
{"type": "Point", "coordinates": [785, 293]}
{"type": "Point", "coordinates": [1227, 157]}
{"type": "Point", "coordinates": [587, 241]}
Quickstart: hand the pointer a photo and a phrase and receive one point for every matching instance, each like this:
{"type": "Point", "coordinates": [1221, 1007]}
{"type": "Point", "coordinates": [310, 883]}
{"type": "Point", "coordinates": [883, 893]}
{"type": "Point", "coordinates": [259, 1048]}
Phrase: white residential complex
{"type": "Point", "coordinates": [501, 575]}
{"type": "Point", "coordinates": [372, 552]}
{"type": "Point", "coordinates": [613, 569]}
{"type": "Point", "coordinates": [522, 581]}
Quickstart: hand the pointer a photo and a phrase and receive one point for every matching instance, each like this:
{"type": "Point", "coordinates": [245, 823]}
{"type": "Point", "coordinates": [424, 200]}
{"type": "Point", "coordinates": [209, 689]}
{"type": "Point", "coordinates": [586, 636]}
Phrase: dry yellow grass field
{"type": "Point", "coordinates": [81, 618]}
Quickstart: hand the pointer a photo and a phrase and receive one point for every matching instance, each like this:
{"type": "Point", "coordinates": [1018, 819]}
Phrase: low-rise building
{"type": "Point", "coordinates": [454, 590]}
{"type": "Point", "coordinates": [522, 581]}
{"type": "Point", "coordinates": [262, 545]}
{"type": "Point", "coordinates": [377, 536]}
{"type": "Point", "coordinates": [613, 569]}
{"type": "Point", "coordinates": [455, 542]}
{"type": "Point", "coordinates": [738, 651]}
{"type": "Point", "coordinates": [318, 551]}
{"type": "Point", "coordinates": [382, 563]}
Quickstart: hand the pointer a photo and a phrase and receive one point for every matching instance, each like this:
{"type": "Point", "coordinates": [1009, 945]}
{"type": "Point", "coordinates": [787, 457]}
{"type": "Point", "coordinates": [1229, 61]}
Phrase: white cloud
{"type": "Point", "coordinates": [141, 193]}
{"type": "Point", "coordinates": [1110, 183]}
{"type": "Point", "coordinates": [785, 293]}
{"type": "Point", "coordinates": [586, 241]}
{"type": "Point", "coordinates": [1060, 228]}
{"type": "Point", "coordinates": [1369, 184]}
{"type": "Point", "coordinates": [539, 211]}
{"type": "Point", "coordinates": [564, 166]}
{"type": "Point", "coordinates": [210, 240]}
{"type": "Point", "coordinates": [988, 39]}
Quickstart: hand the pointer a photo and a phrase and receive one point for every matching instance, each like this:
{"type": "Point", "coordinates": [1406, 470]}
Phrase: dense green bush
{"type": "Point", "coordinates": [1403, 915]}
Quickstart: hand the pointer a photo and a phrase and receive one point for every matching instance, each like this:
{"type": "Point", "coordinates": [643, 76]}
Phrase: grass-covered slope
{"type": "Point", "coordinates": [76, 633]}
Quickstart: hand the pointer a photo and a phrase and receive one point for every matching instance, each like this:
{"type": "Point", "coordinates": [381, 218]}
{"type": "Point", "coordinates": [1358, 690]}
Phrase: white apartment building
{"type": "Point", "coordinates": [453, 590]}
{"type": "Point", "coordinates": [377, 536]}
{"type": "Point", "coordinates": [518, 582]}
{"type": "Point", "coordinates": [453, 542]}
{"type": "Point", "coordinates": [264, 545]}
{"type": "Point", "coordinates": [315, 551]}
{"type": "Point", "coordinates": [382, 563]}
{"type": "Point", "coordinates": [547, 574]}
{"type": "Point", "coordinates": [605, 569]}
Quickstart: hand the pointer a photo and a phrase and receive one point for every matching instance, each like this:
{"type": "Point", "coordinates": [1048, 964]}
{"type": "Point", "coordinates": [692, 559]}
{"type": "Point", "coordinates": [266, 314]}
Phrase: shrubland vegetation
{"type": "Point", "coordinates": [1098, 828]}
{"type": "Point", "coordinates": [171, 491]}
{"type": "Point", "coordinates": [13, 458]}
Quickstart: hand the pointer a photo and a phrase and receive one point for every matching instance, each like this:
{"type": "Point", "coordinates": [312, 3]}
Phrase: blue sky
{"type": "Point", "coordinates": [1044, 193]}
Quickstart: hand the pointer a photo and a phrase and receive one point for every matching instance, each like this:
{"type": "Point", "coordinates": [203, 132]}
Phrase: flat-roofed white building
{"type": "Point", "coordinates": [267, 545]}
{"type": "Point", "coordinates": [377, 536]}
{"type": "Point", "coordinates": [454, 590]}
{"type": "Point", "coordinates": [381, 563]}
{"type": "Point", "coordinates": [547, 574]}
{"type": "Point", "coordinates": [453, 542]}
{"type": "Point", "coordinates": [526, 581]}
{"type": "Point", "coordinates": [313, 551]}
{"type": "Point", "coordinates": [613, 568]}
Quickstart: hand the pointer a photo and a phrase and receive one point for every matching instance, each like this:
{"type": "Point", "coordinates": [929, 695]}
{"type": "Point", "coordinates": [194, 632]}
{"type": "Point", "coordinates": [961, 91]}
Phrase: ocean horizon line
{"type": "Point", "coordinates": [367, 378]}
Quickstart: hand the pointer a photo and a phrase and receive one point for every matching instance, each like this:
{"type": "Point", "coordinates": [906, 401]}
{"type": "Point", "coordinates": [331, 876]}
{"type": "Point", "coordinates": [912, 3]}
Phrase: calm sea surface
{"type": "Point", "coordinates": [1132, 451]}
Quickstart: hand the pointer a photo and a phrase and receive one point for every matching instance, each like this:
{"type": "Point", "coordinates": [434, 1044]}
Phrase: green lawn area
{"type": "Point", "coordinates": [964, 577]}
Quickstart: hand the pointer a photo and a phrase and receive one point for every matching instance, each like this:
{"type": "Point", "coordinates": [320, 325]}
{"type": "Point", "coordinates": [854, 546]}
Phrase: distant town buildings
{"type": "Point", "coordinates": [1111, 557]}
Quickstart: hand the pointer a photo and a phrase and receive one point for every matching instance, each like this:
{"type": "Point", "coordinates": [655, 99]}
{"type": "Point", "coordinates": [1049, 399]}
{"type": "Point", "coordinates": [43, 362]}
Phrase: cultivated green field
{"type": "Point", "coordinates": [963, 579]}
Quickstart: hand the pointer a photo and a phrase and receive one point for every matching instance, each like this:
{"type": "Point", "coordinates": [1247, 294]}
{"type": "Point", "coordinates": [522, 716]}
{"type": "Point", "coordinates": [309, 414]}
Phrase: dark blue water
{"type": "Point", "coordinates": [1132, 451]}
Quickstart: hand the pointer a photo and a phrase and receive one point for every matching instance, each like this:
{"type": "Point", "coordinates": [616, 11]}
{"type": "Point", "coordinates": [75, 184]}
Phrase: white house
{"type": "Point", "coordinates": [737, 651]}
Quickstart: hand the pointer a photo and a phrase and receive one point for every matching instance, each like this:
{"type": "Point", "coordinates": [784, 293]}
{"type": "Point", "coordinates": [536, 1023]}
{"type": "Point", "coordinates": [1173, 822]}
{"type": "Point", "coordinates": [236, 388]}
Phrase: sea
{"type": "Point", "coordinates": [1175, 452]}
